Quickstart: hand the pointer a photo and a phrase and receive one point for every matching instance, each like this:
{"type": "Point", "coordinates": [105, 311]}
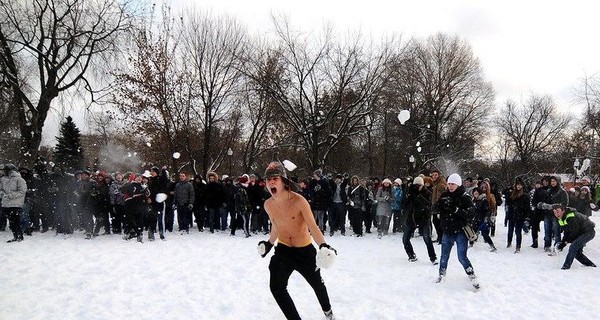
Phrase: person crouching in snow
{"type": "Point", "coordinates": [292, 219]}
{"type": "Point", "coordinates": [456, 210]}
{"type": "Point", "coordinates": [578, 231]}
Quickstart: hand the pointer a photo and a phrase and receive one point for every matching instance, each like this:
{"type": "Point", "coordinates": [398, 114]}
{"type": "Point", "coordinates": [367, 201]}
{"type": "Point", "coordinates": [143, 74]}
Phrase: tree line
{"type": "Point", "coordinates": [155, 82]}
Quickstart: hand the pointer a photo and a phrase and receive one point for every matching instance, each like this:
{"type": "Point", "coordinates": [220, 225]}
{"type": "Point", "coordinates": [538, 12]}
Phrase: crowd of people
{"type": "Point", "coordinates": [138, 205]}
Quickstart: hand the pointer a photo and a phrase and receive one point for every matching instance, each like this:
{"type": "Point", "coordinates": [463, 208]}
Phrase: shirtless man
{"type": "Point", "coordinates": [292, 225]}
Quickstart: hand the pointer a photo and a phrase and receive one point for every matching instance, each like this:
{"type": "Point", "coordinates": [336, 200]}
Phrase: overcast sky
{"type": "Point", "coordinates": [524, 46]}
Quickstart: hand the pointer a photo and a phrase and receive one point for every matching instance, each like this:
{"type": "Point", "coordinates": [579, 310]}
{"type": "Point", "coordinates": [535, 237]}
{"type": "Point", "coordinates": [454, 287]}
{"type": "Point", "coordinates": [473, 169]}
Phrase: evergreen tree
{"type": "Point", "coordinates": [68, 153]}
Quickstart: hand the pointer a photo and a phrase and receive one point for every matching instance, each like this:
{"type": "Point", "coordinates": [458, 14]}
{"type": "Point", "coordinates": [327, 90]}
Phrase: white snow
{"type": "Point", "coordinates": [215, 276]}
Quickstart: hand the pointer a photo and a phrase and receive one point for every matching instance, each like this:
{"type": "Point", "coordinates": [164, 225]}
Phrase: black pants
{"type": "Point", "coordinates": [356, 218]}
{"type": "Point", "coordinates": [283, 263]}
{"type": "Point", "coordinates": [135, 218]}
{"type": "Point", "coordinates": [14, 220]}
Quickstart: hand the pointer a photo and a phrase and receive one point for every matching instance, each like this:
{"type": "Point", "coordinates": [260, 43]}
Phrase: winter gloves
{"type": "Point", "coordinates": [544, 206]}
{"type": "Point", "coordinates": [325, 256]}
{"type": "Point", "coordinates": [264, 247]}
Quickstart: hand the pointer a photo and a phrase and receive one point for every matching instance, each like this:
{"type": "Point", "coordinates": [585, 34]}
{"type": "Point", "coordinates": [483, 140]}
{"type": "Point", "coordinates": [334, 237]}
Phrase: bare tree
{"type": "Point", "coordinates": [442, 84]}
{"type": "Point", "coordinates": [215, 46]}
{"type": "Point", "coordinates": [327, 87]}
{"type": "Point", "coordinates": [531, 128]}
{"type": "Point", "coordinates": [59, 40]}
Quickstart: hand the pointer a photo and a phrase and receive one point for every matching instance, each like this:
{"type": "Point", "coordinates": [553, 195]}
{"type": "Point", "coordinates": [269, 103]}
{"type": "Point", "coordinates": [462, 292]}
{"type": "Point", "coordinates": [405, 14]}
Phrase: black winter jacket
{"type": "Point", "coordinates": [456, 210]}
{"type": "Point", "coordinates": [417, 206]}
{"type": "Point", "coordinates": [575, 224]}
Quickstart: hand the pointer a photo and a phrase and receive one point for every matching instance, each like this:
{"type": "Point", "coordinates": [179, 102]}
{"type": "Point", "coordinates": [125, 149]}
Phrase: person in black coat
{"type": "Point", "coordinates": [519, 209]}
{"type": "Point", "coordinates": [417, 208]}
{"type": "Point", "coordinates": [215, 198]}
{"type": "Point", "coordinates": [456, 212]}
{"type": "Point", "coordinates": [578, 231]}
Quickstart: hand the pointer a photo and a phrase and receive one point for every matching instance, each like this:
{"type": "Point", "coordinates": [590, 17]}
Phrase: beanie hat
{"type": "Point", "coordinates": [398, 181]}
{"type": "Point", "coordinates": [455, 178]}
{"type": "Point", "coordinates": [275, 169]}
{"type": "Point", "coordinates": [419, 181]}
{"type": "Point", "coordinates": [586, 188]}
{"type": "Point", "coordinates": [387, 180]}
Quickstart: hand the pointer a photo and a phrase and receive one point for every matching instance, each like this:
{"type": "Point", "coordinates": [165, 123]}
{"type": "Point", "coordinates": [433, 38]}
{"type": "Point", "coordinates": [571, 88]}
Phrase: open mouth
{"type": "Point", "coordinates": [273, 190]}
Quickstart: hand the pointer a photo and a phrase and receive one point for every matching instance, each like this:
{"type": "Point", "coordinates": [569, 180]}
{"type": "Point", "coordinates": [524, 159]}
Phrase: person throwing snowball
{"type": "Point", "coordinates": [292, 226]}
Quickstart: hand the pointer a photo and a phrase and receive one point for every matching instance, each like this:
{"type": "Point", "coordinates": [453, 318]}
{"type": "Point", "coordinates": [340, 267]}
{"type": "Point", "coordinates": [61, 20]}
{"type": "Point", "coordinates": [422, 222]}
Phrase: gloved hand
{"type": "Point", "coordinates": [190, 206]}
{"type": "Point", "coordinates": [264, 247]}
{"type": "Point", "coordinates": [325, 245]}
{"type": "Point", "coordinates": [540, 205]}
{"type": "Point", "coordinates": [544, 206]}
{"type": "Point", "coordinates": [560, 246]}
{"type": "Point", "coordinates": [325, 256]}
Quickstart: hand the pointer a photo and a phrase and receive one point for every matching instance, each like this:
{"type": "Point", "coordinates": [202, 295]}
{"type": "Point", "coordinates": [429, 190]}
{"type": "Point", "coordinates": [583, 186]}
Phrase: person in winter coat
{"type": "Point", "coordinates": [537, 215]}
{"type": "Point", "coordinates": [384, 198]}
{"type": "Point", "coordinates": [200, 212]}
{"type": "Point", "coordinates": [585, 202]}
{"type": "Point", "coordinates": [321, 192]}
{"type": "Point", "coordinates": [117, 203]}
{"type": "Point", "coordinates": [158, 183]}
{"type": "Point", "coordinates": [519, 209]}
{"type": "Point", "coordinates": [242, 207]}
{"type": "Point", "coordinates": [456, 211]}
{"type": "Point", "coordinates": [417, 207]}
{"type": "Point", "coordinates": [12, 192]}
{"type": "Point", "coordinates": [556, 195]}
{"type": "Point", "coordinates": [184, 200]}
{"type": "Point", "coordinates": [101, 203]}
{"type": "Point", "coordinates": [357, 200]}
{"type": "Point", "coordinates": [398, 214]}
{"type": "Point", "coordinates": [135, 196]}
{"type": "Point", "coordinates": [59, 189]}
{"type": "Point", "coordinates": [483, 215]}
{"type": "Point", "coordinates": [578, 231]}
{"type": "Point", "coordinates": [339, 200]}
{"type": "Point", "coordinates": [83, 192]}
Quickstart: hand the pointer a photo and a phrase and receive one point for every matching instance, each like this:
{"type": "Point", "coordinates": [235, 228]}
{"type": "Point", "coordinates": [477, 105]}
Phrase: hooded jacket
{"type": "Point", "coordinates": [12, 190]}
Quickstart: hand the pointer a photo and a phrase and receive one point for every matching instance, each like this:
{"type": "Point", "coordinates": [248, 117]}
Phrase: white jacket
{"type": "Point", "coordinates": [12, 190]}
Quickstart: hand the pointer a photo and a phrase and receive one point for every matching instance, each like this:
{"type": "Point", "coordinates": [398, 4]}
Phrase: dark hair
{"type": "Point", "coordinates": [558, 206]}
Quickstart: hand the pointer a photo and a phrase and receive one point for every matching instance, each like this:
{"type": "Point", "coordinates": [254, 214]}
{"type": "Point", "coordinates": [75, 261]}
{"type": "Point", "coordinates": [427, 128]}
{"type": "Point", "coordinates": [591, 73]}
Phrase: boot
{"type": "Point", "coordinates": [150, 235]}
{"type": "Point", "coordinates": [518, 249]}
{"type": "Point", "coordinates": [493, 248]}
{"type": "Point", "coordinates": [14, 239]}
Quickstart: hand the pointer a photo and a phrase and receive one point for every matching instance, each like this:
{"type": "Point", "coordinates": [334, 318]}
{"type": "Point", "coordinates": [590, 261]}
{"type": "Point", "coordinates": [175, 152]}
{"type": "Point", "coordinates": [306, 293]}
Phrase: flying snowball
{"type": "Point", "coordinates": [289, 166]}
{"type": "Point", "coordinates": [176, 155]}
{"type": "Point", "coordinates": [403, 116]}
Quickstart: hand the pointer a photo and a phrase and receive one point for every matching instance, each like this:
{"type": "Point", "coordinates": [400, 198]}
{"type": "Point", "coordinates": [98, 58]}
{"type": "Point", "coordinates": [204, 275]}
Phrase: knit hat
{"type": "Point", "coordinates": [387, 180]}
{"type": "Point", "coordinates": [398, 181]}
{"type": "Point", "coordinates": [454, 178]}
{"type": "Point", "coordinates": [419, 181]}
{"type": "Point", "coordinates": [586, 188]}
{"type": "Point", "coordinates": [275, 169]}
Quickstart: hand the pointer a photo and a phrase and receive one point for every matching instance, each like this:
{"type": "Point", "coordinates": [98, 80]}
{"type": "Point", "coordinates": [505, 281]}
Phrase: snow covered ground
{"type": "Point", "coordinates": [204, 276]}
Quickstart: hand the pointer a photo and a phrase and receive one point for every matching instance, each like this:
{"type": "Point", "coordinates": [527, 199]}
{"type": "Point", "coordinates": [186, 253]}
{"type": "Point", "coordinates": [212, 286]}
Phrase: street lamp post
{"type": "Point", "coordinates": [229, 155]}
